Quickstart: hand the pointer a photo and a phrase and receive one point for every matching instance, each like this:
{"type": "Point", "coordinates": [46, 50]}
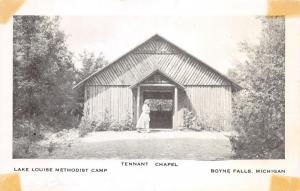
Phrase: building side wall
{"type": "Point", "coordinates": [212, 104]}
{"type": "Point", "coordinates": [116, 100]}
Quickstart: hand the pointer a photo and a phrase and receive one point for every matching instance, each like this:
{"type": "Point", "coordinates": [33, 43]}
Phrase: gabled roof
{"type": "Point", "coordinates": [157, 52]}
{"type": "Point", "coordinates": [113, 62]}
{"type": "Point", "coordinates": [160, 72]}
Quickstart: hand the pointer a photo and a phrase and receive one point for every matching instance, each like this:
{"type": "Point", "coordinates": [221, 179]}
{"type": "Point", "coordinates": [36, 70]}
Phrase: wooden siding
{"type": "Point", "coordinates": [155, 45]}
{"type": "Point", "coordinates": [154, 54]}
{"type": "Point", "coordinates": [202, 89]}
{"type": "Point", "coordinates": [208, 102]}
{"type": "Point", "coordinates": [117, 100]}
{"type": "Point", "coordinates": [212, 103]}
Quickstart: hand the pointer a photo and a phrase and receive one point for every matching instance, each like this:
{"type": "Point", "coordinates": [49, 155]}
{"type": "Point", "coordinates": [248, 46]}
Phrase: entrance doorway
{"type": "Point", "coordinates": [161, 107]}
{"type": "Point", "coordinates": [162, 93]}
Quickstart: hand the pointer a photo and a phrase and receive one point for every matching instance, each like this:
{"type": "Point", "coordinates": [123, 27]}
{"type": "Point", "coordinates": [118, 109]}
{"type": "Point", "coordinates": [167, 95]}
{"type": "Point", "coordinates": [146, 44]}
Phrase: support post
{"type": "Point", "coordinates": [138, 103]}
{"type": "Point", "coordinates": [175, 108]}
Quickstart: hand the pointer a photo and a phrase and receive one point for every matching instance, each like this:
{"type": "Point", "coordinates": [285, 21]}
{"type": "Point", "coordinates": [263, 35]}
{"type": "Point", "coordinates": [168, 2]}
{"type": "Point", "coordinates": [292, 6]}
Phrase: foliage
{"type": "Point", "coordinates": [189, 119]}
{"type": "Point", "coordinates": [202, 122]}
{"type": "Point", "coordinates": [85, 127]}
{"type": "Point", "coordinates": [89, 125]}
{"type": "Point", "coordinates": [116, 126]}
{"type": "Point", "coordinates": [43, 72]}
{"type": "Point", "coordinates": [91, 63]}
{"type": "Point", "coordinates": [25, 134]}
{"type": "Point", "coordinates": [43, 80]}
{"type": "Point", "coordinates": [258, 110]}
{"type": "Point", "coordinates": [161, 104]}
{"type": "Point", "coordinates": [123, 125]}
{"type": "Point", "coordinates": [106, 124]}
{"type": "Point", "coordinates": [128, 124]}
{"type": "Point", "coordinates": [27, 128]}
{"type": "Point", "coordinates": [51, 147]}
{"type": "Point", "coordinates": [23, 148]}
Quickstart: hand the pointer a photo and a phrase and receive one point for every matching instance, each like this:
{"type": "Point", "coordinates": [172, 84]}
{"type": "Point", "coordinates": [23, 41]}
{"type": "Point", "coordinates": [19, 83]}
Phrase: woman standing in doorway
{"type": "Point", "coordinates": [144, 120]}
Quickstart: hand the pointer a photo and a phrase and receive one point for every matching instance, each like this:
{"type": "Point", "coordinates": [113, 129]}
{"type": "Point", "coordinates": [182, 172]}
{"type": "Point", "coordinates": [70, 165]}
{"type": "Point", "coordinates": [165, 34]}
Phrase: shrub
{"type": "Point", "coordinates": [51, 147]}
{"type": "Point", "coordinates": [259, 109]}
{"type": "Point", "coordinates": [128, 124]}
{"type": "Point", "coordinates": [188, 119]}
{"type": "Point", "coordinates": [123, 125]}
{"type": "Point", "coordinates": [23, 148]}
{"type": "Point", "coordinates": [202, 122]}
{"type": "Point", "coordinates": [88, 125]}
{"type": "Point", "coordinates": [85, 127]}
{"type": "Point", "coordinates": [107, 124]}
{"type": "Point", "coordinates": [103, 125]}
{"type": "Point", "coordinates": [27, 128]}
{"type": "Point", "coordinates": [116, 126]}
{"type": "Point", "coordinates": [217, 122]}
{"type": "Point", "coordinates": [260, 129]}
{"type": "Point", "coordinates": [25, 134]}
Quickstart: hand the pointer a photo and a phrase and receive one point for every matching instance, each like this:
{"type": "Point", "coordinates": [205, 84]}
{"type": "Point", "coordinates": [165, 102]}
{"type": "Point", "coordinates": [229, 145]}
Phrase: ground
{"type": "Point", "coordinates": [182, 145]}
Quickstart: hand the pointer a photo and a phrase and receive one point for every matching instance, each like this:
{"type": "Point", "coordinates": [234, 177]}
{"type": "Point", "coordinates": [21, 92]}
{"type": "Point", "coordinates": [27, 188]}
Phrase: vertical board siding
{"type": "Point", "coordinates": [207, 102]}
{"type": "Point", "coordinates": [207, 93]}
{"type": "Point", "coordinates": [117, 100]}
{"type": "Point", "coordinates": [211, 103]}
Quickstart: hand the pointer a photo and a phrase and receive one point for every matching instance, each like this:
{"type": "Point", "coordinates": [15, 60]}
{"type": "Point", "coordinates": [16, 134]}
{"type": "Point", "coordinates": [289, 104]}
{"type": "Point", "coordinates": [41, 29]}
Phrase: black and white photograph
{"type": "Point", "coordinates": [203, 88]}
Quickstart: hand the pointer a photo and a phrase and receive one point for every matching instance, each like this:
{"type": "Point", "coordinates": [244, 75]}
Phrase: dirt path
{"type": "Point", "coordinates": [155, 145]}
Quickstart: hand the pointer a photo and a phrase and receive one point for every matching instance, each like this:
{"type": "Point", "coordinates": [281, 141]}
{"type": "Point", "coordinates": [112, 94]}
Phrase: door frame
{"type": "Point", "coordinates": [141, 88]}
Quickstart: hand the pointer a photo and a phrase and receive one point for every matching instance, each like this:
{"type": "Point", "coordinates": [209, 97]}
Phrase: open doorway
{"type": "Point", "coordinates": [161, 106]}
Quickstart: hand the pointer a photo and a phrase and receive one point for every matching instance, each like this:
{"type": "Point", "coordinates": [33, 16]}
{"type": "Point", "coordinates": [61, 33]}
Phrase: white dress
{"type": "Point", "coordinates": [143, 122]}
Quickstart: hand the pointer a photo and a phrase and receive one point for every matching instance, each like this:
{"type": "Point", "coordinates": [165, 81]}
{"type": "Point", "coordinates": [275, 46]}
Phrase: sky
{"type": "Point", "coordinates": [214, 40]}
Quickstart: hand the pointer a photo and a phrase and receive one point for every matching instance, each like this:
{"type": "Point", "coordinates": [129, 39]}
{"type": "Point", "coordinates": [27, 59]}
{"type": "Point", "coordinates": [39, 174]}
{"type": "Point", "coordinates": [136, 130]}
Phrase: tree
{"type": "Point", "coordinates": [91, 63]}
{"type": "Point", "coordinates": [258, 110]}
{"type": "Point", "coordinates": [43, 71]}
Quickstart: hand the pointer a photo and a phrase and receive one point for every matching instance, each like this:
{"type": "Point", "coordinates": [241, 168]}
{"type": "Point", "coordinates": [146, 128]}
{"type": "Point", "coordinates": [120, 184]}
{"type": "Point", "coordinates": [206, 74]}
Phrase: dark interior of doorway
{"type": "Point", "coordinates": [161, 106]}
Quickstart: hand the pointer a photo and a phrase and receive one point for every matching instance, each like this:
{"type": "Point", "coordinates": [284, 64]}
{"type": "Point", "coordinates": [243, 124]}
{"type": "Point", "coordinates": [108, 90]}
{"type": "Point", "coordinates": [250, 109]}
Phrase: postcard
{"type": "Point", "coordinates": [120, 95]}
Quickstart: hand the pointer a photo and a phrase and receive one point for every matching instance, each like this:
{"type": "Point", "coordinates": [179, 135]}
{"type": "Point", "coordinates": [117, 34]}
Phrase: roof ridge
{"type": "Point", "coordinates": [169, 42]}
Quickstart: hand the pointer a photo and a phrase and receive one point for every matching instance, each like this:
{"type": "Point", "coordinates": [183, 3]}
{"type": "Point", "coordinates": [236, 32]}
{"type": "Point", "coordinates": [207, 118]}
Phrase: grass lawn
{"type": "Point", "coordinates": [154, 145]}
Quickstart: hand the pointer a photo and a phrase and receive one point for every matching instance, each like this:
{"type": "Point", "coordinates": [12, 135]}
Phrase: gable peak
{"type": "Point", "coordinates": [156, 45]}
